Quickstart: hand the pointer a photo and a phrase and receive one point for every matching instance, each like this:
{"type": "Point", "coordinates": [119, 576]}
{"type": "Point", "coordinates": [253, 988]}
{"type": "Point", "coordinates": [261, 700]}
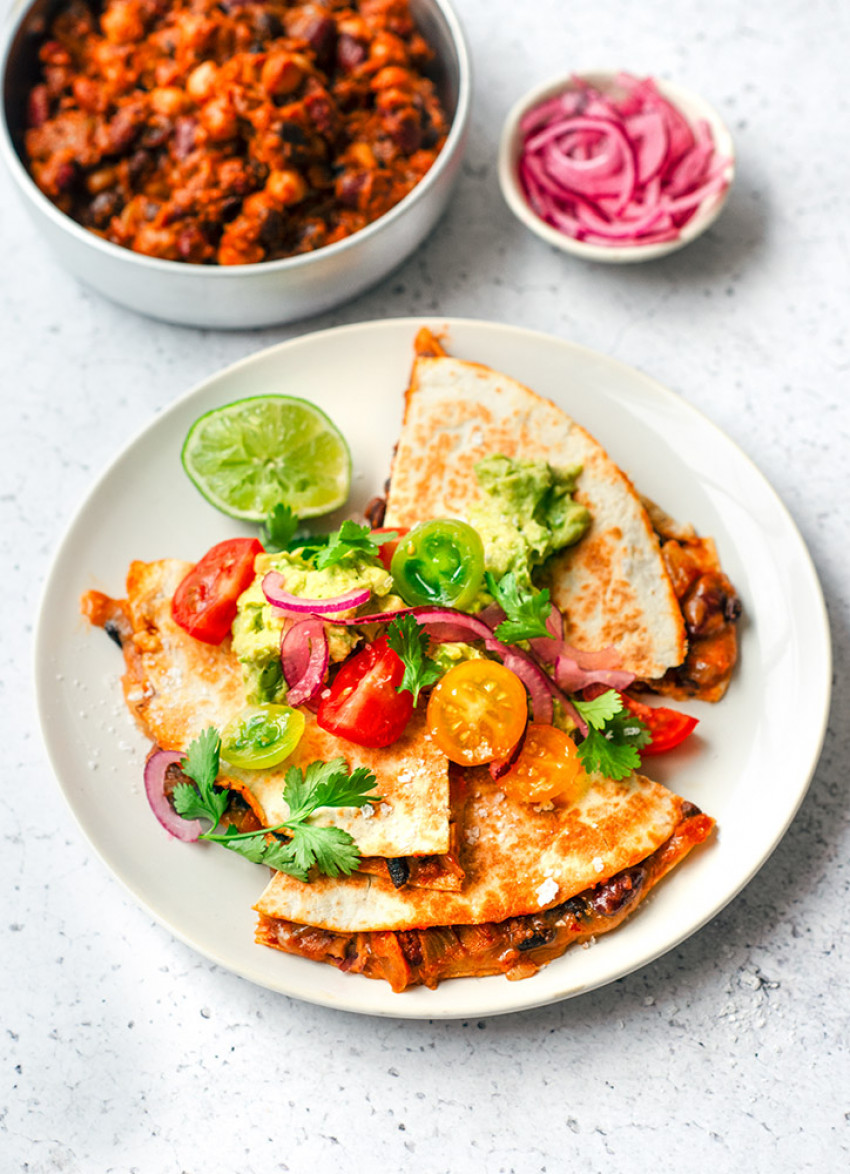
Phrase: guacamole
{"type": "Point", "coordinates": [525, 513]}
{"type": "Point", "coordinates": [257, 631]}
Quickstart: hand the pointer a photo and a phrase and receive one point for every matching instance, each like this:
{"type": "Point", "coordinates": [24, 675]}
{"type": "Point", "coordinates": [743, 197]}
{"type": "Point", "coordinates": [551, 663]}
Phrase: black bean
{"type": "Point", "coordinates": [399, 870]}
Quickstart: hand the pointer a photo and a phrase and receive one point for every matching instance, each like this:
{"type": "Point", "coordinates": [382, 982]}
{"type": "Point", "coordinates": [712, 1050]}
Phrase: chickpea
{"type": "Point", "coordinates": [169, 101]}
{"type": "Point", "coordinates": [122, 22]}
{"type": "Point", "coordinates": [391, 77]}
{"type": "Point", "coordinates": [388, 49]}
{"type": "Point", "coordinates": [219, 120]}
{"type": "Point", "coordinates": [354, 26]}
{"type": "Point", "coordinates": [100, 180]}
{"type": "Point", "coordinates": [362, 155]}
{"type": "Point", "coordinates": [281, 74]}
{"type": "Point", "coordinates": [202, 82]}
{"type": "Point", "coordinates": [231, 252]}
{"type": "Point", "coordinates": [87, 94]}
{"type": "Point", "coordinates": [286, 187]}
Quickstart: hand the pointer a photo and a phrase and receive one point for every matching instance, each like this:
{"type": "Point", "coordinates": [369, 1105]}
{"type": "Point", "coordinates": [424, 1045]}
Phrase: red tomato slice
{"type": "Point", "coordinates": [668, 727]}
{"type": "Point", "coordinates": [388, 548]}
{"type": "Point", "coordinates": [363, 704]}
{"type": "Point", "coordinates": [204, 604]}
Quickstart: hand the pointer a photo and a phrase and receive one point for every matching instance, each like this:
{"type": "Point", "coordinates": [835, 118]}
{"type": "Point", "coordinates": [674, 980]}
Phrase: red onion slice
{"type": "Point", "coordinates": [304, 657]}
{"type": "Point", "coordinates": [571, 677]}
{"type": "Point", "coordinates": [273, 590]}
{"type": "Point", "coordinates": [156, 766]}
{"type": "Point", "coordinates": [536, 680]}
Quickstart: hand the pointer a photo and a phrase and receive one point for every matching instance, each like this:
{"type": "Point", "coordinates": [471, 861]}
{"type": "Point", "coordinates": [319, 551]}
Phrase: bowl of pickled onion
{"type": "Point", "coordinates": [615, 168]}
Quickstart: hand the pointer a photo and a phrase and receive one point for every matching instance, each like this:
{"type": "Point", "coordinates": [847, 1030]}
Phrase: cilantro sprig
{"type": "Point", "coordinates": [279, 528]}
{"type": "Point", "coordinates": [351, 539]}
{"type": "Point", "coordinates": [294, 846]}
{"type": "Point", "coordinates": [526, 611]}
{"type": "Point", "coordinates": [614, 736]}
{"type": "Point", "coordinates": [410, 641]}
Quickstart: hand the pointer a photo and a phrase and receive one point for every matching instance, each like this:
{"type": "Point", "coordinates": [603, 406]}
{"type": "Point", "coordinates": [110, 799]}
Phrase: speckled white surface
{"type": "Point", "coordinates": [122, 1050]}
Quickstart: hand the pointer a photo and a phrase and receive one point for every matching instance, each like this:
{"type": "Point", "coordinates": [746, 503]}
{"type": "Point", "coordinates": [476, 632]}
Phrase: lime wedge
{"type": "Point", "coordinates": [249, 456]}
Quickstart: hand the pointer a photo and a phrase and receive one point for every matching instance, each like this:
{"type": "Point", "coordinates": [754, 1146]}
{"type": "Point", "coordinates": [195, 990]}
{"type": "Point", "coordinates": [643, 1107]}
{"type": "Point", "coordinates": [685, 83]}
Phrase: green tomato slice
{"type": "Point", "coordinates": [261, 736]}
{"type": "Point", "coordinates": [439, 563]}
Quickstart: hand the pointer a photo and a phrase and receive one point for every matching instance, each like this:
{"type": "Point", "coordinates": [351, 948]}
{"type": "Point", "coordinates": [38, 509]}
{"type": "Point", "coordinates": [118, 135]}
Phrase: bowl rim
{"type": "Point", "coordinates": [684, 99]}
{"type": "Point", "coordinates": [31, 191]}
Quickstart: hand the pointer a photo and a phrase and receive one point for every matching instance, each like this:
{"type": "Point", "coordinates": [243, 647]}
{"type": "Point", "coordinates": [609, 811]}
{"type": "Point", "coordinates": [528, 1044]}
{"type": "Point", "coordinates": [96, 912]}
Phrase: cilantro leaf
{"type": "Point", "coordinates": [601, 709]}
{"type": "Point", "coordinates": [350, 539]}
{"type": "Point", "coordinates": [614, 737]}
{"type": "Point", "coordinates": [330, 849]}
{"type": "Point", "coordinates": [261, 848]}
{"type": "Point", "coordinates": [410, 641]}
{"type": "Point", "coordinates": [279, 528]}
{"type": "Point", "coordinates": [326, 784]}
{"type": "Point", "coordinates": [201, 764]}
{"type": "Point", "coordinates": [526, 611]}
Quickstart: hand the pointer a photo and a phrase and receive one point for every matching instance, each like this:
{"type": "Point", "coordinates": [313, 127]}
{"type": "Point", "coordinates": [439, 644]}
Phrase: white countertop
{"type": "Point", "coordinates": [122, 1049]}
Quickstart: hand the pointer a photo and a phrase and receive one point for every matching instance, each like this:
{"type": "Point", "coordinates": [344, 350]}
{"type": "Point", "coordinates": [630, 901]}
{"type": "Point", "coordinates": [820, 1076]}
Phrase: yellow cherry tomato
{"type": "Point", "coordinates": [477, 712]}
{"type": "Point", "coordinates": [547, 768]}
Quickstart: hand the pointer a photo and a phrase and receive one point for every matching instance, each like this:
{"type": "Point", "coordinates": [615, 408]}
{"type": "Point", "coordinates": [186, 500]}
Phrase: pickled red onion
{"type": "Point", "coordinates": [617, 170]}
{"type": "Point", "coordinates": [156, 769]}
{"type": "Point", "coordinates": [304, 656]}
{"type": "Point", "coordinates": [284, 601]}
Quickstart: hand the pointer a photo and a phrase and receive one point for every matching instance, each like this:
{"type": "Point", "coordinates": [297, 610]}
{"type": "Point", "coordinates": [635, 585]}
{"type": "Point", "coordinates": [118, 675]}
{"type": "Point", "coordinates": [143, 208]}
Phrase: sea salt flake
{"type": "Point", "coordinates": [597, 864]}
{"type": "Point", "coordinates": [547, 891]}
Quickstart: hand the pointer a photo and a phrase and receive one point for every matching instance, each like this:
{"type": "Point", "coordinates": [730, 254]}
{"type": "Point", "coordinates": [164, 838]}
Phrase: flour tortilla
{"type": "Point", "coordinates": [612, 586]}
{"type": "Point", "coordinates": [517, 859]}
{"type": "Point", "coordinates": [177, 686]}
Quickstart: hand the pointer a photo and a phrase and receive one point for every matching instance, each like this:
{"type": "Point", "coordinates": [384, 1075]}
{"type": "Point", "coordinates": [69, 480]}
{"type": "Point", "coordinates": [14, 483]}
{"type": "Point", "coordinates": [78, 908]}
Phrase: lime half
{"type": "Point", "coordinates": [250, 456]}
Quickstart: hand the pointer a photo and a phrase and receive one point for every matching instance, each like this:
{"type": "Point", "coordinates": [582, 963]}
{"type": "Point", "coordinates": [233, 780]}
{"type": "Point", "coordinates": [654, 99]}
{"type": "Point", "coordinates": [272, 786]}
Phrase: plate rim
{"type": "Point", "coordinates": [399, 1006]}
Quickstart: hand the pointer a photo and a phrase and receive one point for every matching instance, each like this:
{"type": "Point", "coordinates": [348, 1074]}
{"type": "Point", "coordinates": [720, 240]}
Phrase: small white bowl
{"type": "Point", "coordinates": [690, 104]}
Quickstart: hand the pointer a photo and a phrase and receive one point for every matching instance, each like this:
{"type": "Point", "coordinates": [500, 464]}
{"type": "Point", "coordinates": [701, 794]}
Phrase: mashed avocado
{"type": "Point", "coordinates": [257, 632]}
{"type": "Point", "coordinates": [525, 513]}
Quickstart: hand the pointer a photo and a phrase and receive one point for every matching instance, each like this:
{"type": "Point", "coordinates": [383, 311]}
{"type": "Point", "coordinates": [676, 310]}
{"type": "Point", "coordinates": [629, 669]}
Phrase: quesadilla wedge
{"type": "Point", "coordinates": [176, 686]}
{"type": "Point", "coordinates": [614, 587]}
{"type": "Point", "coordinates": [537, 880]}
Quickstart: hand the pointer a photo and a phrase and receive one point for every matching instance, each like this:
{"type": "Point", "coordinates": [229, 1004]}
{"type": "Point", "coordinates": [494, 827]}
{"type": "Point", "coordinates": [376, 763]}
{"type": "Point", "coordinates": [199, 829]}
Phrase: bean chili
{"type": "Point", "coordinates": [233, 132]}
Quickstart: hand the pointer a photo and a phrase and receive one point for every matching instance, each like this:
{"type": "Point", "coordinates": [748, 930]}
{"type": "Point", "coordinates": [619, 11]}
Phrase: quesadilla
{"type": "Point", "coordinates": [537, 880]}
{"type": "Point", "coordinates": [176, 686]}
{"type": "Point", "coordinates": [614, 586]}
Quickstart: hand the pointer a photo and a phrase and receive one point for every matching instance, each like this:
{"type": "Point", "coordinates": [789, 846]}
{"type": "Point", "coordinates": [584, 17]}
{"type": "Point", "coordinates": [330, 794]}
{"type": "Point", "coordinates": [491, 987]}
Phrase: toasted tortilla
{"type": "Point", "coordinates": [176, 686]}
{"type": "Point", "coordinates": [517, 859]}
{"type": "Point", "coordinates": [516, 947]}
{"type": "Point", "coordinates": [612, 586]}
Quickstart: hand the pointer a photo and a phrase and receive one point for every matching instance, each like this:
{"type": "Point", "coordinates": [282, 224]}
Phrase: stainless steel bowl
{"type": "Point", "coordinates": [240, 296]}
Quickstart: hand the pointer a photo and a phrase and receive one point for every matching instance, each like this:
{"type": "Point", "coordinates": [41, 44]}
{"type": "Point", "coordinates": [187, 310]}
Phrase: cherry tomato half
{"type": "Point", "coordinates": [668, 727]}
{"type": "Point", "coordinates": [547, 768]}
{"type": "Point", "coordinates": [388, 549]}
{"type": "Point", "coordinates": [205, 602]}
{"type": "Point", "coordinates": [364, 705]}
{"type": "Point", "coordinates": [439, 563]}
{"type": "Point", "coordinates": [261, 736]}
{"type": "Point", "coordinates": [477, 712]}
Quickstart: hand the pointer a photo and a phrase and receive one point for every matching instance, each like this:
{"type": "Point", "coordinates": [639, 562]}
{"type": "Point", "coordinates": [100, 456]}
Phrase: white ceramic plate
{"type": "Point", "coordinates": [744, 769]}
